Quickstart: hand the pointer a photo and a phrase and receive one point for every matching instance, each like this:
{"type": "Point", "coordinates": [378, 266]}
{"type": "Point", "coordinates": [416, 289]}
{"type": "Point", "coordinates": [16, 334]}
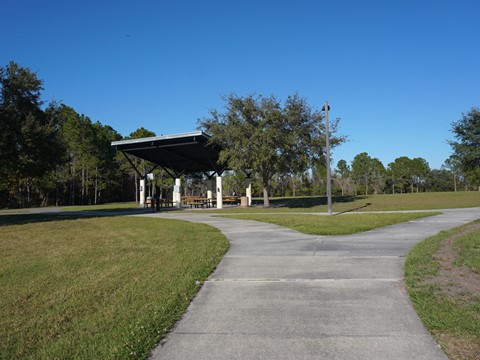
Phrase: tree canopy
{"type": "Point", "coordinates": [53, 155]}
{"type": "Point", "coordinates": [466, 146]}
{"type": "Point", "coordinates": [29, 136]}
{"type": "Point", "coordinates": [263, 135]}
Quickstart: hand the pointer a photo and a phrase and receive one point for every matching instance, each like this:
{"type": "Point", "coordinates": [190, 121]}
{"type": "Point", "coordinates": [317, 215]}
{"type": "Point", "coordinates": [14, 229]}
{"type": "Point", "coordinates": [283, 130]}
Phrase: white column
{"type": "Point", "coordinates": [249, 191]}
{"type": "Point", "coordinates": [219, 193]}
{"type": "Point", "coordinates": [142, 192]}
{"type": "Point", "coordinates": [209, 183]}
{"type": "Point", "coordinates": [177, 195]}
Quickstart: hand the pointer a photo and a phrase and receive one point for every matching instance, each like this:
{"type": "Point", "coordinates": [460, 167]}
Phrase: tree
{"type": "Point", "coordinates": [440, 180]}
{"type": "Point", "coordinates": [399, 171]}
{"type": "Point", "coordinates": [343, 176]}
{"type": "Point", "coordinates": [143, 164]}
{"type": "Point", "coordinates": [466, 146]}
{"type": "Point", "coordinates": [377, 176]}
{"type": "Point", "coordinates": [369, 172]}
{"type": "Point", "coordinates": [453, 165]}
{"type": "Point", "coordinates": [406, 172]}
{"type": "Point", "coordinates": [92, 171]}
{"type": "Point", "coordinates": [419, 172]}
{"type": "Point", "coordinates": [29, 136]}
{"type": "Point", "coordinates": [260, 134]}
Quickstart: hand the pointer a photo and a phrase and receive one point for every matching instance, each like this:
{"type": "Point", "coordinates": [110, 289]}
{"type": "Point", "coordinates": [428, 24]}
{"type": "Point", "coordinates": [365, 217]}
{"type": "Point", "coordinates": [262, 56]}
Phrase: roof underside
{"type": "Point", "coordinates": [182, 153]}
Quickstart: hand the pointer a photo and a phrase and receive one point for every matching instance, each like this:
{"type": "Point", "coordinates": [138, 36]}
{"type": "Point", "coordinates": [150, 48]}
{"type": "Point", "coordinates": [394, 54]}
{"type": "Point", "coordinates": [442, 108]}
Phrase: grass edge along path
{"type": "Point", "coordinates": [106, 288]}
{"type": "Point", "coordinates": [345, 224]}
{"type": "Point", "coordinates": [436, 272]}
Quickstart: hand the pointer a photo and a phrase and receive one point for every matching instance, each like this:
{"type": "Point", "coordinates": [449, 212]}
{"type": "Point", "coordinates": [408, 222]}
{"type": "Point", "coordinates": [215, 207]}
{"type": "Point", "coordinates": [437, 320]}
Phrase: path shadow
{"type": "Point", "coordinates": [355, 209]}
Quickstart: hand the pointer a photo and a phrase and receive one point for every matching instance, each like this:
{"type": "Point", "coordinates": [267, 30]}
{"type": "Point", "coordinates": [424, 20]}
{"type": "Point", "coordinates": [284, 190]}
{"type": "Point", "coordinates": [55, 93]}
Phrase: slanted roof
{"type": "Point", "coordinates": [183, 153]}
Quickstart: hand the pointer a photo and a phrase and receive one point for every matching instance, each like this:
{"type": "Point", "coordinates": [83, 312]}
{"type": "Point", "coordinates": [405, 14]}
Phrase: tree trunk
{"type": "Point", "coordinates": [96, 185]}
{"type": "Point", "coordinates": [266, 200]}
{"type": "Point", "coordinates": [87, 188]}
{"type": "Point", "coordinates": [136, 187]}
{"type": "Point", "coordinates": [83, 185]}
{"type": "Point", "coordinates": [28, 193]}
{"type": "Point", "coordinates": [455, 182]}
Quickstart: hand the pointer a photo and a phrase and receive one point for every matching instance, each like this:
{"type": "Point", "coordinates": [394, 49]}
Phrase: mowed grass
{"type": "Point", "coordinates": [332, 225]}
{"type": "Point", "coordinates": [468, 251]}
{"type": "Point", "coordinates": [103, 207]}
{"type": "Point", "coordinates": [449, 309]}
{"type": "Point", "coordinates": [361, 203]}
{"type": "Point", "coordinates": [103, 288]}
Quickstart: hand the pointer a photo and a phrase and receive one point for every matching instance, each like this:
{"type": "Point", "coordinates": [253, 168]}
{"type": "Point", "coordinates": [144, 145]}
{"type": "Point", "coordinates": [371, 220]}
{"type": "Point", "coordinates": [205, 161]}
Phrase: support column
{"type": "Point", "coordinates": [209, 184]}
{"type": "Point", "coordinates": [177, 195]}
{"type": "Point", "coordinates": [219, 193]}
{"type": "Point", "coordinates": [249, 192]}
{"type": "Point", "coordinates": [143, 192]}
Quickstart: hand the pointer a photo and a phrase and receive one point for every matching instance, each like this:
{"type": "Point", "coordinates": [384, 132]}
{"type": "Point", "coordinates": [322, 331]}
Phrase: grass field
{"type": "Point", "coordinates": [104, 288]}
{"type": "Point", "coordinates": [397, 202]}
{"type": "Point", "coordinates": [332, 225]}
{"type": "Point", "coordinates": [88, 287]}
{"type": "Point", "coordinates": [442, 275]}
{"type": "Point", "coordinates": [103, 207]}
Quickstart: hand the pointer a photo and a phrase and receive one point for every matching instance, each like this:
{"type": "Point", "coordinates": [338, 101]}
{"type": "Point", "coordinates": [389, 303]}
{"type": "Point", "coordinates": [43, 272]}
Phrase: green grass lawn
{"type": "Point", "coordinates": [332, 225]}
{"type": "Point", "coordinates": [104, 288]}
{"type": "Point", "coordinates": [389, 202]}
{"type": "Point", "coordinates": [442, 275]}
{"type": "Point", "coordinates": [110, 287]}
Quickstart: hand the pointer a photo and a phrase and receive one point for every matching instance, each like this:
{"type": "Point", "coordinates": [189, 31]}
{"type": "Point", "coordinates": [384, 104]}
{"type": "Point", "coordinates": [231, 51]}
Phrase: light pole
{"type": "Point", "coordinates": [327, 160]}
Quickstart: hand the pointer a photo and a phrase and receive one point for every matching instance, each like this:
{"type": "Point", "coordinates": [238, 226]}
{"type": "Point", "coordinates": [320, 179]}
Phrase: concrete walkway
{"type": "Point", "coordinates": [280, 294]}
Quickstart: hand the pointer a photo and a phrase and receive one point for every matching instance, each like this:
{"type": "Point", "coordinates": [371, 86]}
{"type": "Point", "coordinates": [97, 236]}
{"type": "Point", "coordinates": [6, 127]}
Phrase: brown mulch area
{"type": "Point", "coordinates": [457, 282]}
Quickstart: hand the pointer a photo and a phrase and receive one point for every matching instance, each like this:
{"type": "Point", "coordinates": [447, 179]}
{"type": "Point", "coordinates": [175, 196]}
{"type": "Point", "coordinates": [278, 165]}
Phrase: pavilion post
{"type": "Point", "coordinates": [143, 192]}
{"type": "Point", "coordinates": [249, 191]}
{"type": "Point", "coordinates": [219, 193]}
{"type": "Point", "coordinates": [209, 184]}
{"type": "Point", "coordinates": [177, 195]}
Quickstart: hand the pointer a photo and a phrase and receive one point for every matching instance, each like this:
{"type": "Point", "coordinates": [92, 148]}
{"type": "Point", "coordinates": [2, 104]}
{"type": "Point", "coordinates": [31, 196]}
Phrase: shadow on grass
{"type": "Point", "coordinates": [309, 201]}
{"type": "Point", "coordinates": [45, 216]}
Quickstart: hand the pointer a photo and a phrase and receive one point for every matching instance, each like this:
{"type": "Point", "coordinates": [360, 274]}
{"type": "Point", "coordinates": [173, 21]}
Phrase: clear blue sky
{"type": "Point", "coordinates": [397, 73]}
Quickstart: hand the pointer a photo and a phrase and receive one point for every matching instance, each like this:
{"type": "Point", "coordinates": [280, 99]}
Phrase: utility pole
{"type": "Point", "coordinates": [327, 160]}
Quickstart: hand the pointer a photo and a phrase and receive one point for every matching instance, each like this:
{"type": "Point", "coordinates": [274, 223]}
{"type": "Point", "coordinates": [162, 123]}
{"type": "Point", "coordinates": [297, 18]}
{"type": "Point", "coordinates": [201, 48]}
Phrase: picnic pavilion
{"type": "Point", "coordinates": [178, 155]}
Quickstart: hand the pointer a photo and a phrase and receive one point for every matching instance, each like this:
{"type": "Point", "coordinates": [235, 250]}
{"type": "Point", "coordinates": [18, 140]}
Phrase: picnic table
{"type": "Point", "coordinates": [200, 201]}
{"type": "Point", "coordinates": [157, 203]}
{"type": "Point", "coordinates": [196, 201]}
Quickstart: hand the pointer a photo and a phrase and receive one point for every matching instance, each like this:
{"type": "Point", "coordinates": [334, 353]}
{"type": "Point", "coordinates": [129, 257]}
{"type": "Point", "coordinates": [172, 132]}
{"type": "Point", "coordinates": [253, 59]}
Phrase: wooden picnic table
{"type": "Point", "coordinates": [195, 201]}
{"type": "Point", "coordinates": [200, 201]}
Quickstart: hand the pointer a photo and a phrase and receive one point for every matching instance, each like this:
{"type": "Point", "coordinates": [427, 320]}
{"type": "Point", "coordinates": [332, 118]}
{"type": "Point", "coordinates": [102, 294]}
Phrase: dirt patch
{"type": "Point", "coordinates": [458, 348]}
{"type": "Point", "coordinates": [457, 282]}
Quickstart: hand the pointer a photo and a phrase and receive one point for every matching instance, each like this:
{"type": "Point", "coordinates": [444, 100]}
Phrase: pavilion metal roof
{"type": "Point", "coordinates": [182, 153]}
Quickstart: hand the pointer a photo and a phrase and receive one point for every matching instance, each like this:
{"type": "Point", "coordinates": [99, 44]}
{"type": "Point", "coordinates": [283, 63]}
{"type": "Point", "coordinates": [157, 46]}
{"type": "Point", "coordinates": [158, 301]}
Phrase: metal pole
{"type": "Point", "coordinates": [329, 183]}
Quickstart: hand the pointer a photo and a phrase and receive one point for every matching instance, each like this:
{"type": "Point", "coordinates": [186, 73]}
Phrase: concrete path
{"type": "Point", "coordinates": [280, 294]}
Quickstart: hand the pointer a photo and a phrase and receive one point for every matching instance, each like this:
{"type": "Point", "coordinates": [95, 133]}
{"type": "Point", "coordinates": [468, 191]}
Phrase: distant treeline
{"type": "Point", "coordinates": [50, 155]}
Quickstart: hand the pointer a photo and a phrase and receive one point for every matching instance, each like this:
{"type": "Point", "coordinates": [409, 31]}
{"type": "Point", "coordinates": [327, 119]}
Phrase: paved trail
{"type": "Point", "coordinates": [279, 294]}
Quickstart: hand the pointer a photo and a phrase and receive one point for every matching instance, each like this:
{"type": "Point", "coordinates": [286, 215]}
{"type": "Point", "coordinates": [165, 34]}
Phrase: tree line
{"type": "Point", "coordinates": [50, 154]}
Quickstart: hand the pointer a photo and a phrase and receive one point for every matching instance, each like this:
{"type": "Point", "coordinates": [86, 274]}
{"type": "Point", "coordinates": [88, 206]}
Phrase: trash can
{"type": "Point", "coordinates": [149, 202]}
{"type": "Point", "coordinates": [244, 201]}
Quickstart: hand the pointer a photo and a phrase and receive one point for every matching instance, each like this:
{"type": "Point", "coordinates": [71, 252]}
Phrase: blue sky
{"type": "Point", "coordinates": [397, 73]}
